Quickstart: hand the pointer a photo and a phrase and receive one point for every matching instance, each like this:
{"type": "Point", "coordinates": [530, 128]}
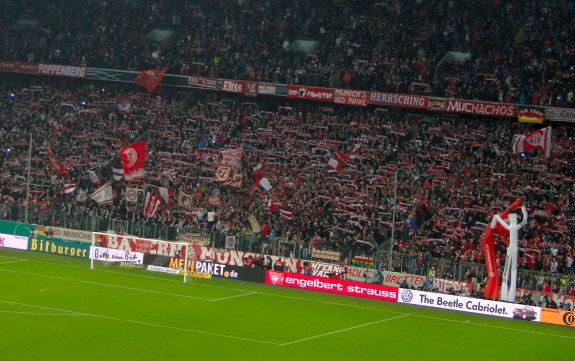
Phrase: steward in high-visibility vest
{"type": "Point", "coordinates": [278, 265]}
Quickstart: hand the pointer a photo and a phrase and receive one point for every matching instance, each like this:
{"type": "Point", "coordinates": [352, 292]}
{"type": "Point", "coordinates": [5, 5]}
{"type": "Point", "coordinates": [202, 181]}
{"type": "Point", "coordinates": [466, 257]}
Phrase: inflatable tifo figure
{"type": "Point", "coordinates": [505, 225]}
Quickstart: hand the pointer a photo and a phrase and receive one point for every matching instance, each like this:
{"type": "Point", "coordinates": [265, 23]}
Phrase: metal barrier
{"type": "Point", "coordinates": [277, 246]}
{"type": "Point", "coordinates": [526, 279]}
{"type": "Point", "coordinates": [89, 222]}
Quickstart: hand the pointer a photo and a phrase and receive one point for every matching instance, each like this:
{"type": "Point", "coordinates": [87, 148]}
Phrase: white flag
{"type": "Point", "coordinates": [103, 195]}
{"type": "Point", "coordinates": [132, 194]}
{"type": "Point", "coordinates": [265, 184]}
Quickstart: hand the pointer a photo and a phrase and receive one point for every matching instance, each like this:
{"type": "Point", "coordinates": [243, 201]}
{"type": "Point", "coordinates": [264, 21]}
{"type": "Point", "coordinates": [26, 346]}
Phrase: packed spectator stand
{"type": "Point", "coordinates": [454, 171]}
{"type": "Point", "coordinates": [510, 51]}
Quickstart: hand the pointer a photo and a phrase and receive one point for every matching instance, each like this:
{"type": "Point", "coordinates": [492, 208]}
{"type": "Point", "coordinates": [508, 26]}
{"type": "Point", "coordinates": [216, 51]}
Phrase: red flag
{"type": "Point", "coordinates": [337, 162]}
{"type": "Point", "coordinates": [165, 194]}
{"type": "Point", "coordinates": [152, 205]}
{"type": "Point", "coordinates": [539, 139]}
{"type": "Point", "coordinates": [70, 187]}
{"type": "Point", "coordinates": [55, 165]}
{"type": "Point", "coordinates": [134, 160]}
{"type": "Point", "coordinates": [270, 205]}
{"type": "Point", "coordinates": [150, 79]}
{"type": "Point", "coordinates": [286, 213]}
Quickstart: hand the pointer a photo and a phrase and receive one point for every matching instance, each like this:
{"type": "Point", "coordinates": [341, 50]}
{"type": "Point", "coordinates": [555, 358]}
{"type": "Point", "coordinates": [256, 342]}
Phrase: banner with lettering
{"type": "Point", "coordinates": [531, 114]}
{"type": "Point", "coordinates": [351, 97]}
{"type": "Point", "coordinates": [233, 86]}
{"type": "Point", "coordinates": [115, 255]}
{"type": "Point", "coordinates": [560, 115]}
{"type": "Point", "coordinates": [395, 279]}
{"type": "Point", "coordinates": [447, 286]}
{"type": "Point", "coordinates": [67, 234]}
{"type": "Point", "coordinates": [340, 287]}
{"type": "Point", "coordinates": [69, 71]}
{"type": "Point", "coordinates": [202, 82]}
{"type": "Point", "coordinates": [329, 255]}
{"type": "Point", "coordinates": [398, 100]}
{"type": "Point", "coordinates": [60, 247]}
{"type": "Point", "coordinates": [471, 107]}
{"type": "Point", "coordinates": [310, 93]}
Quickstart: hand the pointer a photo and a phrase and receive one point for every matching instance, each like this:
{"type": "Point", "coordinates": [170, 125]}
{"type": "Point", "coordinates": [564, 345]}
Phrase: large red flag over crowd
{"type": "Point", "coordinates": [134, 160]}
{"type": "Point", "coordinates": [150, 79]}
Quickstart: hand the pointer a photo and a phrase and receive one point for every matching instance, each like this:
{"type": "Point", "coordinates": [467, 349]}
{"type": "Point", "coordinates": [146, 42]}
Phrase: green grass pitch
{"type": "Point", "coordinates": [56, 308]}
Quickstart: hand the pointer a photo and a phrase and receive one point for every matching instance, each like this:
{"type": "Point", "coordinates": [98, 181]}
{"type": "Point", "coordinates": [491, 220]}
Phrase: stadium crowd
{"type": "Point", "coordinates": [454, 172]}
{"type": "Point", "coordinates": [511, 51]}
{"type": "Point", "coordinates": [451, 178]}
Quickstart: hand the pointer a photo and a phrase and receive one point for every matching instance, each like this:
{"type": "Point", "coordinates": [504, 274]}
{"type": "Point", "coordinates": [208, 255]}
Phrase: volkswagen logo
{"type": "Point", "coordinates": [406, 296]}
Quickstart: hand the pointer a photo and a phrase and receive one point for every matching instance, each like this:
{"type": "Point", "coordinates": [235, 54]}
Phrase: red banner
{"type": "Point", "coordinates": [472, 107]}
{"type": "Point", "coordinates": [351, 97]}
{"type": "Point", "coordinates": [233, 86]}
{"type": "Point", "coordinates": [340, 287]}
{"type": "Point", "coordinates": [201, 82]}
{"type": "Point", "coordinates": [310, 93]}
{"type": "Point", "coordinates": [398, 100]}
{"type": "Point", "coordinates": [251, 88]}
{"type": "Point", "coordinates": [19, 67]}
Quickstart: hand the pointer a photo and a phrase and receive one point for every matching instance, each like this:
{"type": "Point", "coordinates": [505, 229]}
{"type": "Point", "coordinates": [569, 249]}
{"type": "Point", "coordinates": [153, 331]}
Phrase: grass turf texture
{"type": "Point", "coordinates": [56, 308]}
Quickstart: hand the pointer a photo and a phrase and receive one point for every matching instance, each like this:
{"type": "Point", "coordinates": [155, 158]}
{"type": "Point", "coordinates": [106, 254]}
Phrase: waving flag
{"type": "Point", "coordinates": [152, 205]}
{"type": "Point", "coordinates": [55, 165]}
{"type": "Point", "coordinates": [338, 161]}
{"type": "Point", "coordinates": [134, 160]}
{"type": "Point", "coordinates": [184, 201]}
{"type": "Point", "coordinates": [70, 187]}
{"type": "Point", "coordinates": [103, 195]}
{"type": "Point", "coordinates": [286, 213]}
{"type": "Point", "coordinates": [150, 79]}
{"type": "Point", "coordinates": [539, 139]}
{"type": "Point", "coordinates": [94, 177]}
{"type": "Point", "coordinates": [265, 184]}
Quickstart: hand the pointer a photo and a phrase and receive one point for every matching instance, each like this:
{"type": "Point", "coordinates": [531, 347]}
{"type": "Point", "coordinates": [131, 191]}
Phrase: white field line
{"type": "Point", "coordinates": [303, 299]}
{"type": "Point", "coordinates": [106, 285]}
{"type": "Point", "coordinates": [16, 261]}
{"type": "Point", "coordinates": [3, 256]}
{"type": "Point", "coordinates": [342, 330]}
{"type": "Point", "coordinates": [40, 313]}
{"type": "Point", "coordinates": [236, 296]}
{"type": "Point", "coordinates": [143, 323]}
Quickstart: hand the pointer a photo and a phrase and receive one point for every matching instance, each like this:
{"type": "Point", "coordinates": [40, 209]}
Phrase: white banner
{"type": "Point", "coordinates": [70, 234]}
{"type": "Point", "coordinates": [173, 271]}
{"type": "Point", "coordinates": [329, 255]}
{"type": "Point", "coordinates": [472, 305]}
{"type": "Point", "coordinates": [115, 255]}
{"type": "Point", "coordinates": [360, 274]}
{"type": "Point", "coordinates": [444, 286]}
{"type": "Point", "coordinates": [11, 241]}
{"type": "Point", "coordinates": [395, 279]}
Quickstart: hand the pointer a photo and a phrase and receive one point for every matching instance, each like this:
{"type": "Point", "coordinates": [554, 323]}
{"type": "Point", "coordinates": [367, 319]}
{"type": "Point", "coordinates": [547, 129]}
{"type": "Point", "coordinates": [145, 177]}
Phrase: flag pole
{"type": "Point", "coordinates": [392, 240]}
{"type": "Point", "coordinates": [28, 179]}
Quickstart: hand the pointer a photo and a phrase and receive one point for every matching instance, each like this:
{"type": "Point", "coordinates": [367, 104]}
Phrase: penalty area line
{"type": "Point", "coordinates": [236, 296]}
{"type": "Point", "coordinates": [10, 262]}
{"type": "Point", "coordinates": [343, 330]}
{"type": "Point", "coordinates": [74, 313]}
{"type": "Point", "coordinates": [39, 313]}
{"type": "Point", "coordinates": [144, 290]}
